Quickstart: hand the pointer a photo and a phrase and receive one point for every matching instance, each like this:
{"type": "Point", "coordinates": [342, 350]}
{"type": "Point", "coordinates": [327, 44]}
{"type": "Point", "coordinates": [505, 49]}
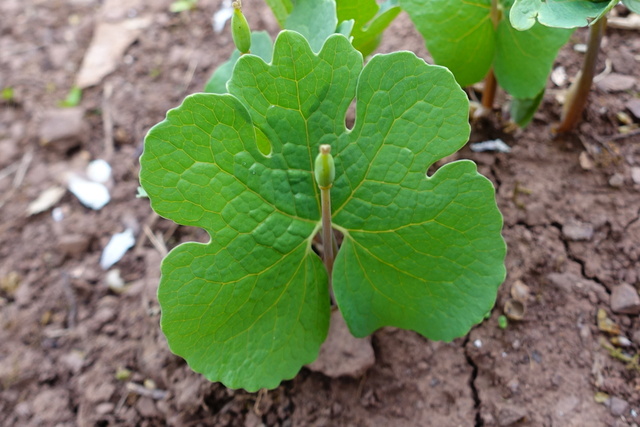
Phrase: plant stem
{"type": "Point", "coordinates": [328, 240]}
{"type": "Point", "coordinates": [490, 83]}
{"type": "Point", "coordinates": [579, 90]}
{"type": "Point", "coordinates": [489, 91]}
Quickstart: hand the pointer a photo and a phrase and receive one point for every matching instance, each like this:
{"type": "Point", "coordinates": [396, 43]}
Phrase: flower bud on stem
{"type": "Point", "coordinates": [325, 173]}
{"type": "Point", "coordinates": [240, 31]}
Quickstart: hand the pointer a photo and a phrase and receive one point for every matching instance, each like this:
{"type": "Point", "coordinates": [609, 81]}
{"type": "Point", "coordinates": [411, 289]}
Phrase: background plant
{"type": "Point", "coordinates": [570, 14]}
{"type": "Point", "coordinates": [363, 21]}
{"type": "Point", "coordinates": [476, 41]}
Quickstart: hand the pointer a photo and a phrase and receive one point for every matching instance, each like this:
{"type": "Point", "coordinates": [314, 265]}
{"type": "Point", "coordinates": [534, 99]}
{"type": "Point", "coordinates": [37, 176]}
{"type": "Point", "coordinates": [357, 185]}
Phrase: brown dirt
{"type": "Point", "coordinates": [66, 338]}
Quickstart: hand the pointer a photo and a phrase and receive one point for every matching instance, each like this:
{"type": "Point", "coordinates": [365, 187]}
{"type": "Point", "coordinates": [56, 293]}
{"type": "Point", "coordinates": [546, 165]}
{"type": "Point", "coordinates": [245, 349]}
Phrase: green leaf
{"type": "Point", "coordinates": [461, 36]}
{"type": "Point", "coordinates": [420, 253]}
{"type": "Point", "coordinates": [183, 5]}
{"type": "Point", "coordinates": [558, 13]}
{"type": "Point", "coordinates": [523, 109]}
{"type": "Point", "coordinates": [632, 5]}
{"type": "Point", "coordinates": [260, 45]}
{"type": "Point", "coordinates": [524, 58]}
{"type": "Point", "coordinates": [370, 20]}
{"type": "Point", "coordinates": [314, 19]}
{"type": "Point", "coordinates": [251, 306]}
{"type": "Point", "coordinates": [7, 94]}
{"type": "Point", "coordinates": [281, 9]}
{"type": "Point", "coordinates": [73, 98]}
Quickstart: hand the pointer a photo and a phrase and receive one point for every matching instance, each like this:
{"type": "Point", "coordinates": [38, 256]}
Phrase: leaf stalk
{"type": "Point", "coordinates": [579, 91]}
{"type": "Point", "coordinates": [490, 83]}
{"type": "Point", "coordinates": [325, 174]}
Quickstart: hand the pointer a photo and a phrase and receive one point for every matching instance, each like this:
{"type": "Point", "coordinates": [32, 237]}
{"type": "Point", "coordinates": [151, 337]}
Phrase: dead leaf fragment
{"type": "Point", "coordinates": [615, 82]}
{"type": "Point", "coordinates": [47, 199]}
{"type": "Point", "coordinates": [109, 43]}
{"type": "Point", "coordinates": [630, 22]}
{"type": "Point", "coordinates": [607, 325]}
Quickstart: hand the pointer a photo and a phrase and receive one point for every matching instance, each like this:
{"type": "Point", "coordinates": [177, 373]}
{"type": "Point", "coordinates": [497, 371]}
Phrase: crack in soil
{"type": "Point", "coordinates": [472, 382]}
{"type": "Point", "coordinates": [633, 221]}
{"type": "Point", "coordinates": [579, 261]}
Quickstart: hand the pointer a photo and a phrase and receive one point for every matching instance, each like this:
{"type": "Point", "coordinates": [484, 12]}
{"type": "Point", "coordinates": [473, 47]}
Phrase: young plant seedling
{"type": "Point", "coordinates": [362, 20]}
{"type": "Point", "coordinates": [421, 252]}
{"type": "Point", "coordinates": [563, 14]}
{"type": "Point", "coordinates": [475, 40]}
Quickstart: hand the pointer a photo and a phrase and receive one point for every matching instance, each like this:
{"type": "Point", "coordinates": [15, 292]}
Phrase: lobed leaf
{"type": "Point", "coordinates": [261, 46]}
{"type": "Point", "coordinates": [314, 19]}
{"type": "Point", "coordinates": [251, 306]}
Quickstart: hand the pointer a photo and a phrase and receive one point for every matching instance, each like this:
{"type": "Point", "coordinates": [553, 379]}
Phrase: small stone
{"type": "Point", "coordinates": [146, 407]}
{"type": "Point", "coordinates": [635, 174]}
{"type": "Point", "coordinates": [566, 405]}
{"type": "Point", "coordinates": [634, 107]}
{"type": "Point", "coordinates": [252, 420]}
{"type": "Point", "coordinates": [618, 406]}
{"type": "Point", "coordinates": [577, 231]}
{"type": "Point", "coordinates": [510, 416]}
{"type": "Point", "coordinates": [635, 337]}
{"type": "Point", "coordinates": [74, 245]}
{"type": "Point", "coordinates": [105, 408]}
{"type": "Point", "coordinates": [625, 299]}
{"type": "Point", "coordinates": [63, 129]}
{"type": "Point", "coordinates": [586, 162]}
{"type": "Point", "coordinates": [615, 82]}
{"type": "Point", "coordinates": [616, 180]}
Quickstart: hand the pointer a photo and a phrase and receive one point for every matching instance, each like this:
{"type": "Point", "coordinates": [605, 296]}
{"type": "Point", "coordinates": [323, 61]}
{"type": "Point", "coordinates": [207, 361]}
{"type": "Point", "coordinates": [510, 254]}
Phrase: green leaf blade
{"type": "Point", "coordinates": [524, 58]}
{"type": "Point", "coordinates": [559, 13]}
{"type": "Point", "coordinates": [316, 20]}
{"type": "Point", "coordinates": [261, 46]}
{"type": "Point", "coordinates": [413, 243]}
{"type": "Point", "coordinates": [458, 34]}
{"type": "Point", "coordinates": [248, 330]}
{"type": "Point", "coordinates": [370, 20]}
{"type": "Point", "coordinates": [281, 9]}
{"type": "Point", "coordinates": [437, 275]}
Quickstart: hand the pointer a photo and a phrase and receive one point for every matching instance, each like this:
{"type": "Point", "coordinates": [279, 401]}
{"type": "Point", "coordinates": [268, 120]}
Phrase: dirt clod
{"type": "Point", "coordinates": [615, 82]}
{"type": "Point", "coordinates": [343, 354]}
{"type": "Point", "coordinates": [63, 129]}
{"type": "Point", "coordinates": [625, 299]}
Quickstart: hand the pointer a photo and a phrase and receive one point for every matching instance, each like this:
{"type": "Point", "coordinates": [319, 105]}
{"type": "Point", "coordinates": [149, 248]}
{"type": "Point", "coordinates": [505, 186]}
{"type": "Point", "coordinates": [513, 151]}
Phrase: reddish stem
{"type": "Point", "coordinates": [489, 91]}
{"type": "Point", "coordinates": [579, 90]}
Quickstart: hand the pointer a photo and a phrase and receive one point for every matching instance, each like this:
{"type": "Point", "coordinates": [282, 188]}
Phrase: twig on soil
{"type": "Point", "coordinates": [621, 135]}
{"type": "Point", "coordinates": [256, 405]}
{"type": "Point", "coordinates": [156, 240]}
{"type": "Point", "coordinates": [156, 393]}
{"type": "Point", "coordinates": [21, 172]}
{"type": "Point", "coordinates": [23, 168]}
{"type": "Point", "coordinates": [107, 122]}
{"type": "Point", "coordinates": [71, 299]}
{"type": "Point", "coordinates": [190, 73]}
{"type": "Point", "coordinates": [608, 67]}
{"type": "Point", "coordinates": [8, 170]}
{"type": "Point", "coordinates": [149, 223]}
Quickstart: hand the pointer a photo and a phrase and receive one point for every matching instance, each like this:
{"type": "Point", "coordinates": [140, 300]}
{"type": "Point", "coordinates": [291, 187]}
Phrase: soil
{"type": "Point", "coordinates": [75, 352]}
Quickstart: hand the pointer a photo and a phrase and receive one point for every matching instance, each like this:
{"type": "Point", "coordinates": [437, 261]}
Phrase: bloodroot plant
{"type": "Point", "coordinates": [417, 251]}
